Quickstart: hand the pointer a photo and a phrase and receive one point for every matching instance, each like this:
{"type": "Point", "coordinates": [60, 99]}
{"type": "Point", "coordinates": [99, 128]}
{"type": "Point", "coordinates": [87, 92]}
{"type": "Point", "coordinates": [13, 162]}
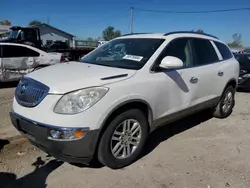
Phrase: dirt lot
{"type": "Point", "coordinates": [6, 96]}
{"type": "Point", "coordinates": [195, 152]}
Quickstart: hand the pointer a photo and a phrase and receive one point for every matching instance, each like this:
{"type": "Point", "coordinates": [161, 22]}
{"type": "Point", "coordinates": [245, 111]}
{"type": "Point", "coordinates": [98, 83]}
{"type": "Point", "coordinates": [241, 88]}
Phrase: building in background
{"type": "Point", "coordinates": [4, 30]}
{"type": "Point", "coordinates": [50, 34]}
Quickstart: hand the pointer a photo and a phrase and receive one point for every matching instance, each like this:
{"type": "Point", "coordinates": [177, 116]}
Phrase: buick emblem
{"type": "Point", "coordinates": [23, 89]}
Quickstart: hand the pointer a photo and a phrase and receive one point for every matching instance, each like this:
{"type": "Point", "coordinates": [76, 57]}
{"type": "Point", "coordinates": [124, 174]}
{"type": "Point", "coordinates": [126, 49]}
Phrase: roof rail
{"type": "Point", "coordinates": [191, 32]}
{"type": "Point", "coordinates": [133, 34]}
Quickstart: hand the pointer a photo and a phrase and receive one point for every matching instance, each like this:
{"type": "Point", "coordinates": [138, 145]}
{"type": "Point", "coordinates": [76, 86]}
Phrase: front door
{"type": "Point", "coordinates": [176, 89]}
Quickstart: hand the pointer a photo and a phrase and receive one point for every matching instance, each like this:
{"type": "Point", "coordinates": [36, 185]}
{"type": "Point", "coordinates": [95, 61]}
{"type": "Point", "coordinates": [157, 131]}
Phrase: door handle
{"type": "Point", "coordinates": [194, 80]}
{"type": "Point", "coordinates": [220, 73]}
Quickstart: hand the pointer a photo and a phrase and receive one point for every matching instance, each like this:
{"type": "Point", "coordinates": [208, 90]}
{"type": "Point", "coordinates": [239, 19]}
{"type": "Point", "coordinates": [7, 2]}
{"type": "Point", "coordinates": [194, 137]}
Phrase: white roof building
{"type": "Point", "coordinates": [4, 28]}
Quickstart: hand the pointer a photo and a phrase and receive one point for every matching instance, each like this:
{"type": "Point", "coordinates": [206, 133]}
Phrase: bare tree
{"type": "Point", "coordinates": [237, 38]}
{"type": "Point", "coordinates": [236, 41]}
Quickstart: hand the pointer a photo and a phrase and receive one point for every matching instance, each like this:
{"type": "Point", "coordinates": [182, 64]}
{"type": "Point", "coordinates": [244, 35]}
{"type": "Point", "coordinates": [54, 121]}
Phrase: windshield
{"type": "Point", "coordinates": [13, 34]}
{"type": "Point", "coordinates": [124, 53]}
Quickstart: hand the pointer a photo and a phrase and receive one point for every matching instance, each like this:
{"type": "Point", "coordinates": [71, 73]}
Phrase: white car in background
{"type": "Point", "coordinates": [101, 42]}
{"type": "Point", "coordinates": [17, 60]}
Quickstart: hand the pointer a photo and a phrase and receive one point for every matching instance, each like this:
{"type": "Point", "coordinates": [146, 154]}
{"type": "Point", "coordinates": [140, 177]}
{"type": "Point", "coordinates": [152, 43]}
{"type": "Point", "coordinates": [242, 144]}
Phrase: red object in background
{"type": "Point", "coordinates": [62, 59]}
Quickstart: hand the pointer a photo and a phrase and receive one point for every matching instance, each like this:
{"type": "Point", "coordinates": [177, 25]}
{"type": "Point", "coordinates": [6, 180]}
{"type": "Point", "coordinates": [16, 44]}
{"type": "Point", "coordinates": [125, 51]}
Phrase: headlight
{"type": "Point", "coordinates": [80, 100]}
{"type": "Point", "coordinates": [67, 134]}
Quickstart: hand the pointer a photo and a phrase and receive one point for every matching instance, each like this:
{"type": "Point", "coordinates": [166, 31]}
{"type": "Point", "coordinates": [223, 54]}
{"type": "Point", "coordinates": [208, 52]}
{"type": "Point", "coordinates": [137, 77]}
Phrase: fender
{"type": "Point", "coordinates": [150, 111]}
{"type": "Point", "coordinates": [232, 80]}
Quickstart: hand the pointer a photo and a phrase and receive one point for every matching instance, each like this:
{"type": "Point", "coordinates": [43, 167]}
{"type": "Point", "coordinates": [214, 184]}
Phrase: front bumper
{"type": "Point", "coordinates": [74, 151]}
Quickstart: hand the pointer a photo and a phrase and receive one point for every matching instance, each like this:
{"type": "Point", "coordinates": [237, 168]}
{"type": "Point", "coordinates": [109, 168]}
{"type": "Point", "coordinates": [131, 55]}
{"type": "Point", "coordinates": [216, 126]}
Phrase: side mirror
{"type": "Point", "coordinates": [170, 62]}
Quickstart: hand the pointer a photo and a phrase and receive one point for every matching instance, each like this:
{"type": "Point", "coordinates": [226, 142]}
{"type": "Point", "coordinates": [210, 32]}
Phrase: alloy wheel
{"type": "Point", "coordinates": [227, 102]}
{"type": "Point", "coordinates": [125, 139]}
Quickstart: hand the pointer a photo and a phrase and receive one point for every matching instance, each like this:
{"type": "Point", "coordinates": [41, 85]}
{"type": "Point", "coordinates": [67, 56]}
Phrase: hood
{"type": "Point", "coordinates": [66, 77]}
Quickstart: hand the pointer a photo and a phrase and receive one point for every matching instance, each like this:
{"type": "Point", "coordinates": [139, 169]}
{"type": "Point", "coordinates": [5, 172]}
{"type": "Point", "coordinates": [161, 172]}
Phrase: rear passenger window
{"type": "Point", "coordinates": [31, 53]}
{"type": "Point", "coordinates": [9, 51]}
{"type": "Point", "coordinates": [224, 51]}
{"type": "Point", "coordinates": [204, 52]}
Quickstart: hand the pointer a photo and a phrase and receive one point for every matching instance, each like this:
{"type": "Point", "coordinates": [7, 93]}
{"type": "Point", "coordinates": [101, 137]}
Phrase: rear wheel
{"type": "Point", "coordinates": [123, 140]}
{"type": "Point", "coordinates": [225, 106]}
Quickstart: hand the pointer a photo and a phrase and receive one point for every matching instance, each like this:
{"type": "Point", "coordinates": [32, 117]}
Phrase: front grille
{"type": "Point", "coordinates": [30, 93]}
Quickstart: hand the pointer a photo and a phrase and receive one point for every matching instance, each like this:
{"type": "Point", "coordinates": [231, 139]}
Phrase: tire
{"type": "Point", "coordinates": [107, 144]}
{"type": "Point", "coordinates": [220, 111]}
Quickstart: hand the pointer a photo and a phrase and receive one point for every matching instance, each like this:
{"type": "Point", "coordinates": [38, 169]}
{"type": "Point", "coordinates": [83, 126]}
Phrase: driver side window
{"type": "Point", "coordinates": [180, 48]}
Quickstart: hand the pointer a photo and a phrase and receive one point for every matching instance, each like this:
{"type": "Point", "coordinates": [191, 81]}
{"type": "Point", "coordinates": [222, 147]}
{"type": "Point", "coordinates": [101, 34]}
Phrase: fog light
{"type": "Point", "coordinates": [66, 134]}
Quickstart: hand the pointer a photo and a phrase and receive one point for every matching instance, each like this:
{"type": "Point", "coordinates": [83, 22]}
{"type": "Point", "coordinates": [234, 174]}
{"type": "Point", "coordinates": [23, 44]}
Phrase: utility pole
{"type": "Point", "coordinates": [131, 19]}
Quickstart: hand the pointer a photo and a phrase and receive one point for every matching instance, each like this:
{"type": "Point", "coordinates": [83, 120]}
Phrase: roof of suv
{"type": "Point", "coordinates": [166, 35]}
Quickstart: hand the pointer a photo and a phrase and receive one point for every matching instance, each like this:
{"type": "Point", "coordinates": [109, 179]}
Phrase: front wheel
{"type": "Point", "coordinates": [225, 106]}
{"type": "Point", "coordinates": [123, 140]}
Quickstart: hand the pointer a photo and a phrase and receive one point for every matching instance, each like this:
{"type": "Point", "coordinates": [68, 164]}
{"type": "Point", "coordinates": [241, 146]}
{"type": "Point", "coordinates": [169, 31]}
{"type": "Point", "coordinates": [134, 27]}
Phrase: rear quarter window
{"type": "Point", "coordinates": [13, 51]}
{"type": "Point", "coordinates": [224, 50]}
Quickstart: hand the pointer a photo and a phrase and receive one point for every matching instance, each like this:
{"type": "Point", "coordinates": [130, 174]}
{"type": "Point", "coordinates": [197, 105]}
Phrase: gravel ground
{"type": "Point", "coordinates": [196, 152]}
{"type": "Point", "coordinates": [6, 96]}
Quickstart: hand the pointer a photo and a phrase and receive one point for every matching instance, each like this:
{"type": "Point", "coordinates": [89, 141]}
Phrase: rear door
{"type": "Point", "coordinates": [225, 68]}
{"type": "Point", "coordinates": [17, 61]}
{"type": "Point", "coordinates": [206, 67]}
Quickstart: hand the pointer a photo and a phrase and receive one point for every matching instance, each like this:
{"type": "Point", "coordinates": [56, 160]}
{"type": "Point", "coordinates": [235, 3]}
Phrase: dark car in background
{"type": "Point", "coordinates": [58, 45]}
{"type": "Point", "coordinates": [247, 50]}
{"type": "Point", "coordinates": [244, 77]}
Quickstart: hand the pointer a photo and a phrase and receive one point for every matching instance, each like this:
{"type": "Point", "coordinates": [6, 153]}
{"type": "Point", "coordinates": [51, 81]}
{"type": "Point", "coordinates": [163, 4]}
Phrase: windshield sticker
{"type": "Point", "coordinates": [133, 57]}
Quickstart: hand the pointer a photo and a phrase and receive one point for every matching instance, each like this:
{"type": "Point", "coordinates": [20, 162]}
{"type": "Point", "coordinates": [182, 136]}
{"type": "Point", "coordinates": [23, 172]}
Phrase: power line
{"type": "Point", "coordinates": [192, 12]}
{"type": "Point", "coordinates": [111, 16]}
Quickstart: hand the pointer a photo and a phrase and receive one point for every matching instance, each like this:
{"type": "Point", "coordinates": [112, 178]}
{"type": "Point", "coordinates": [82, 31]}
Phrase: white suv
{"type": "Point", "coordinates": [107, 103]}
